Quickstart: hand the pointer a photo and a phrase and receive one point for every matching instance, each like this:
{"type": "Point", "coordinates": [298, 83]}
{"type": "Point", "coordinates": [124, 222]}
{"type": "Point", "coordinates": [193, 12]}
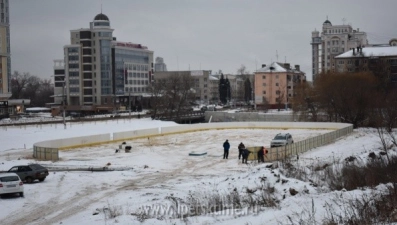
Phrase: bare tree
{"type": "Point", "coordinates": [305, 102]}
{"type": "Point", "coordinates": [18, 83]}
{"type": "Point", "coordinates": [44, 93]}
{"type": "Point", "coordinates": [172, 96]}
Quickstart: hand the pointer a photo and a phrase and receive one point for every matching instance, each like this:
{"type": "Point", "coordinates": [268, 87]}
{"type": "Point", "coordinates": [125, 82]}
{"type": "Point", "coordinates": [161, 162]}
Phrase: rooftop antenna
{"type": "Point", "coordinates": [101, 6]}
{"type": "Point", "coordinates": [285, 60]}
{"type": "Point", "coordinates": [343, 20]}
{"type": "Point", "coordinates": [277, 55]}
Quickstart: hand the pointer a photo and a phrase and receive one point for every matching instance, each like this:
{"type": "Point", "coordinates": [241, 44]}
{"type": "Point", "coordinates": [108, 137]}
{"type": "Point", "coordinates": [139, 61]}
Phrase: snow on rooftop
{"type": "Point", "coordinates": [37, 109]}
{"type": "Point", "coordinates": [213, 78]}
{"type": "Point", "coordinates": [276, 68]}
{"type": "Point", "coordinates": [371, 51]}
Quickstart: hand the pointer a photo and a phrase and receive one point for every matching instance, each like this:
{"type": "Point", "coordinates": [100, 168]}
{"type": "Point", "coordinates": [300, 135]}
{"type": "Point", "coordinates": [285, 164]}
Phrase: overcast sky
{"type": "Point", "coordinates": [194, 34]}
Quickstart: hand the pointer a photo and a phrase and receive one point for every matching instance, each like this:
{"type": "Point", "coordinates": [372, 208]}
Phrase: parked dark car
{"type": "Point", "coordinates": [29, 173]}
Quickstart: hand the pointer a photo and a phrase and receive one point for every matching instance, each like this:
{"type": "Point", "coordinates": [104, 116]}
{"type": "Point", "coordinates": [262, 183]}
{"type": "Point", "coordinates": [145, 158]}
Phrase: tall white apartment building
{"type": "Point", "coordinates": [334, 40]}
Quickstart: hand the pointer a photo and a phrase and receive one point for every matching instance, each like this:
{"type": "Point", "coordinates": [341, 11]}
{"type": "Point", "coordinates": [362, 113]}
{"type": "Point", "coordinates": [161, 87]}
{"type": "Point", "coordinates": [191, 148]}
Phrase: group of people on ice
{"type": "Point", "coordinates": [243, 152]}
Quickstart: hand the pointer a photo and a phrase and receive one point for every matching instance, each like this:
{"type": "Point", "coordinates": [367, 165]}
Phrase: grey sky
{"type": "Point", "coordinates": [196, 34]}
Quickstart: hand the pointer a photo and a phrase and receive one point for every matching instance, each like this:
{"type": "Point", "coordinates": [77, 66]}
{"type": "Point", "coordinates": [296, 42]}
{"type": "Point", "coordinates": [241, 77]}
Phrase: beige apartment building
{"type": "Point", "coordinates": [377, 59]}
{"type": "Point", "coordinates": [274, 84]}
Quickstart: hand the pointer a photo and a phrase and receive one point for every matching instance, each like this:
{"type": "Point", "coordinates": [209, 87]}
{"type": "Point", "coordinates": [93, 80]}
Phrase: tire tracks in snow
{"type": "Point", "coordinates": [51, 212]}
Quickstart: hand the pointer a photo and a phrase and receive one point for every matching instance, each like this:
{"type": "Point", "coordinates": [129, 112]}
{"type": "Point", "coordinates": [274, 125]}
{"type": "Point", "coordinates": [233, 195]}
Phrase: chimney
{"type": "Point", "coordinates": [286, 66]}
{"type": "Point", "coordinates": [297, 67]}
{"type": "Point", "coordinates": [358, 50]}
{"type": "Point", "coordinates": [354, 51]}
{"type": "Point", "coordinates": [114, 39]}
{"type": "Point", "coordinates": [263, 65]}
{"type": "Point", "coordinates": [358, 29]}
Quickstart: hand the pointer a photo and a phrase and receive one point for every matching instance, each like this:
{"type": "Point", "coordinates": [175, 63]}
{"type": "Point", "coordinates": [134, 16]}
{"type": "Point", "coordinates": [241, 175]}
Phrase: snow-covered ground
{"type": "Point", "coordinates": [159, 173]}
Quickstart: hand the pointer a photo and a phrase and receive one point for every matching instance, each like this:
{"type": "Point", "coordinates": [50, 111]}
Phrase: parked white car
{"type": "Point", "coordinates": [10, 183]}
{"type": "Point", "coordinates": [281, 139]}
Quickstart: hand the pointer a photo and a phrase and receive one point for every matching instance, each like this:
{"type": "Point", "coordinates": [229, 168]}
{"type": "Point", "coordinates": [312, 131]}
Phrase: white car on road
{"type": "Point", "coordinates": [281, 139]}
{"type": "Point", "coordinates": [10, 183]}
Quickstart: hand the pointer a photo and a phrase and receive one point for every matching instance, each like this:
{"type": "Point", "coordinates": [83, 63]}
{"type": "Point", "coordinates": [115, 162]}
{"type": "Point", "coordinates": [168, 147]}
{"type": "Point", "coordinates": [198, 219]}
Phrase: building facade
{"type": "Point", "coordinates": [5, 51]}
{"type": "Point", "coordinates": [101, 73]}
{"type": "Point", "coordinates": [59, 81]}
{"type": "Point", "coordinates": [201, 82]}
{"type": "Point", "coordinates": [333, 40]}
{"type": "Point", "coordinates": [160, 65]}
{"type": "Point", "coordinates": [380, 60]}
{"type": "Point", "coordinates": [237, 87]}
{"type": "Point", "coordinates": [274, 84]}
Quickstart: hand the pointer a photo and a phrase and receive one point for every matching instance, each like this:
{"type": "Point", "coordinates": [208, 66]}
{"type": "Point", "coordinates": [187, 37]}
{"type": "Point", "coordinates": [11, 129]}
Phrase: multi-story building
{"type": "Point", "coordinates": [274, 84]}
{"type": "Point", "coordinates": [59, 81]}
{"type": "Point", "coordinates": [102, 73]}
{"type": "Point", "coordinates": [334, 40]}
{"type": "Point", "coordinates": [201, 81]}
{"type": "Point", "coordinates": [213, 97]}
{"type": "Point", "coordinates": [5, 52]}
{"type": "Point", "coordinates": [380, 60]}
{"type": "Point", "coordinates": [159, 65]}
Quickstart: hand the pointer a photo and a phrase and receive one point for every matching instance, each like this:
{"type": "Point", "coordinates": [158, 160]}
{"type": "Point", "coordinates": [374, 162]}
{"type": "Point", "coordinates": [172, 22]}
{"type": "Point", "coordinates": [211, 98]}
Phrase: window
{"type": "Point", "coordinates": [343, 42]}
{"type": "Point", "coordinates": [263, 77]}
{"type": "Point", "coordinates": [276, 76]}
{"type": "Point", "coordinates": [277, 84]}
{"type": "Point", "coordinates": [73, 66]}
{"type": "Point", "coordinates": [264, 92]}
{"type": "Point", "coordinates": [264, 84]}
{"type": "Point", "coordinates": [277, 92]}
{"type": "Point", "coordinates": [73, 74]}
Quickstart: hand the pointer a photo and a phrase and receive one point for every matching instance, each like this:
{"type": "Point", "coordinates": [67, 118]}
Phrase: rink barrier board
{"type": "Point", "coordinates": [49, 150]}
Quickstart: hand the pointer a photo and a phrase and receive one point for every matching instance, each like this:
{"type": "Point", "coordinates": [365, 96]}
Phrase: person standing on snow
{"type": "Point", "coordinates": [226, 147]}
{"type": "Point", "coordinates": [246, 153]}
{"type": "Point", "coordinates": [241, 146]}
{"type": "Point", "coordinates": [261, 154]}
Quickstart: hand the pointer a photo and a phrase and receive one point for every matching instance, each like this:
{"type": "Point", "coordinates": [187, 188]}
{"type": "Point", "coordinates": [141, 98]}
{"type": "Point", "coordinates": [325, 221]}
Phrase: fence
{"type": "Point", "coordinates": [49, 150]}
{"type": "Point", "coordinates": [280, 153]}
{"type": "Point", "coordinates": [45, 153]}
{"type": "Point", "coordinates": [216, 116]}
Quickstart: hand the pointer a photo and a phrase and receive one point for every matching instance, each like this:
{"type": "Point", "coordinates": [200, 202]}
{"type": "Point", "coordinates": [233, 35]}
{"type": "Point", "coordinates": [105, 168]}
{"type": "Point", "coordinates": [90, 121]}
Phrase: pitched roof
{"type": "Point", "coordinates": [274, 67]}
{"type": "Point", "coordinates": [371, 51]}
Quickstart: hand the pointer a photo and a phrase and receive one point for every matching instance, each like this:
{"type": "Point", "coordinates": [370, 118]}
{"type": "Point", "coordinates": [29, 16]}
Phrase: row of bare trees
{"type": "Point", "coordinates": [27, 86]}
{"type": "Point", "coordinates": [358, 98]}
{"type": "Point", "coordinates": [172, 96]}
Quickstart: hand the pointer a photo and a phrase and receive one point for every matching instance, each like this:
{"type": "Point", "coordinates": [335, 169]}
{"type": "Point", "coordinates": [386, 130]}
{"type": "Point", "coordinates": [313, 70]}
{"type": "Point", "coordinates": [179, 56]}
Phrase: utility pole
{"type": "Point", "coordinates": [129, 104]}
{"type": "Point", "coordinates": [63, 104]}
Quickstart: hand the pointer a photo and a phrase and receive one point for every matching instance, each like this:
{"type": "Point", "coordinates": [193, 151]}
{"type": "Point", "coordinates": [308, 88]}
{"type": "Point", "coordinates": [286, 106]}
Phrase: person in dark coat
{"type": "Point", "coordinates": [241, 146]}
{"type": "Point", "coordinates": [226, 147]}
{"type": "Point", "coordinates": [246, 153]}
{"type": "Point", "coordinates": [261, 154]}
